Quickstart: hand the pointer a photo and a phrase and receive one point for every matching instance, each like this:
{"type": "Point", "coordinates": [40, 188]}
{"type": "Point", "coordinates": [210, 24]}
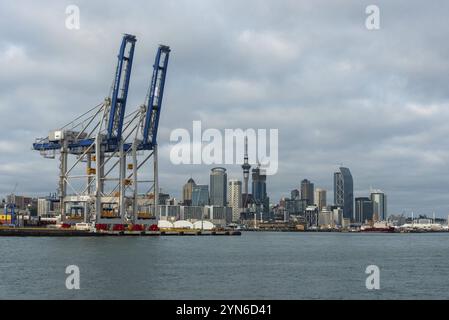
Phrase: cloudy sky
{"type": "Point", "coordinates": [375, 101]}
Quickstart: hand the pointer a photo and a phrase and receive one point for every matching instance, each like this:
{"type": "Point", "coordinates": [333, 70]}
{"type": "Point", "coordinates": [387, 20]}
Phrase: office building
{"type": "Point", "coordinates": [337, 215]}
{"type": "Point", "coordinates": [295, 207]}
{"type": "Point", "coordinates": [311, 216]}
{"type": "Point", "coordinates": [307, 188]}
{"type": "Point", "coordinates": [363, 209]}
{"type": "Point", "coordinates": [259, 189]}
{"type": "Point", "coordinates": [235, 198]}
{"type": "Point", "coordinates": [187, 192]}
{"type": "Point", "coordinates": [344, 192]}
{"type": "Point", "coordinates": [379, 200]}
{"type": "Point", "coordinates": [200, 195]}
{"type": "Point", "coordinates": [326, 218]}
{"type": "Point", "coordinates": [320, 198]}
{"type": "Point", "coordinates": [295, 194]}
{"type": "Point", "coordinates": [218, 187]}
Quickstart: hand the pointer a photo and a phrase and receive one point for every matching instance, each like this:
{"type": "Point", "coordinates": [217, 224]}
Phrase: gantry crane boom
{"type": "Point", "coordinates": [120, 89]}
{"type": "Point", "coordinates": [115, 111]}
{"type": "Point", "coordinates": [155, 97]}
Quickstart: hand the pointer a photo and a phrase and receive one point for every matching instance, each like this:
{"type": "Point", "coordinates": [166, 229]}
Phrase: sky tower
{"type": "Point", "coordinates": [245, 166]}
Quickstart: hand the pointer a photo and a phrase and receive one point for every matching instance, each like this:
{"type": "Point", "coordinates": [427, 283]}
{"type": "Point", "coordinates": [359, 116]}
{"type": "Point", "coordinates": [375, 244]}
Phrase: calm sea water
{"type": "Point", "coordinates": [256, 265]}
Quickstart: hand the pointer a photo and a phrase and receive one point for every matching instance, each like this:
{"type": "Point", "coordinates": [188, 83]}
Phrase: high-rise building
{"type": "Point", "coordinates": [307, 192]}
{"type": "Point", "coordinates": [235, 198]}
{"type": "Point", "coordinates": [245, 166]}
{"type": "Point", "coordinates": [200, 195]}
{"type": "Point", "coordinates": [218, 187]}
{"type": "Point", "coordinates": [187, 192]}
{"type": "Point", "coordinates": [295, 195]}
{"type": "Point", "coordinates": [259, 188]}
{"type": "Point", "coordinates": [320, 198]}
{"type": "Point", "coordinates": [379, 200]}
{"type": "Point", "coordinates": [363, 209]}
{"type": "Point", "coordinates": [344, 192]}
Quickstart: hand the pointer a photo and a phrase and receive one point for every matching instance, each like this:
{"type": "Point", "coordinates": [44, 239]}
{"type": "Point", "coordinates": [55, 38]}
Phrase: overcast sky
{"type": "Point", "coordinates": [375, 101]}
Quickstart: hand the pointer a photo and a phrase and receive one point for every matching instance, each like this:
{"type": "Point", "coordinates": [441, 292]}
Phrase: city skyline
{"type": "Point", "coordinates": [359, 104]}
{"type": "Point", "coordinates": [329, 192]}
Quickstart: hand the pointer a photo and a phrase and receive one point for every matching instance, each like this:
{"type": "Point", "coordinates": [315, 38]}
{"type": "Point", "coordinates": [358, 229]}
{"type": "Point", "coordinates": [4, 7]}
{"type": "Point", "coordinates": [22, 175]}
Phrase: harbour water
{"type": "Point", "coordinates": [256, 265]}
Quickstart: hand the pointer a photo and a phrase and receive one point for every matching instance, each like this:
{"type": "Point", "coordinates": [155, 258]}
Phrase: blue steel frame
{"type": "Point", "coordinates": [155, 100]}
{"type": "Point", "coordinates": [118, 103]}
{"type": "Point", "coordinates": [120, 90]}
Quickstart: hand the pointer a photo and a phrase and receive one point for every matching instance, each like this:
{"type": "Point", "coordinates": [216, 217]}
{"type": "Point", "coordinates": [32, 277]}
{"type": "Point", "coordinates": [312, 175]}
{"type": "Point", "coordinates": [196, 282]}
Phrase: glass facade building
{"type": "Point", "coordinates": [259, 189]}
{"type": "Point", "coordinates": [200, 195]}
{"type": "Point", "coordinates": [379, 200]}
{"type": "Point", "coordinates": [218, 187]}
{"type": "Point", "coordinates": [344, 192]}
{"type": "Point", "coordinates": [363, 209]}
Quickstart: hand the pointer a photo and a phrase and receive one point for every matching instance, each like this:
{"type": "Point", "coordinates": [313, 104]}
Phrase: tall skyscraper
{"type": "Point", "coordinates": [187, 192]}
{"type": "Point", "coordinates": [379, 200]}
{"type": "Point", "coordinates": [218, 186]}
{"type": "Point", "coordinates": [307, 192]}
{"type": "Point", "coordinates": [245, 166]}
{"type": "Point", "coordinates": [344, 192]}
{"type": "Point", "coordinates": [200, 195]}
{"type": "Point", "coordinates": [259, 188]}
{"type": "Point", "coordinates": [320, 198]}
{"type": "Point", "coordinates": [235, 198]}
{"type": "Point", "coordinates": [363, 209]}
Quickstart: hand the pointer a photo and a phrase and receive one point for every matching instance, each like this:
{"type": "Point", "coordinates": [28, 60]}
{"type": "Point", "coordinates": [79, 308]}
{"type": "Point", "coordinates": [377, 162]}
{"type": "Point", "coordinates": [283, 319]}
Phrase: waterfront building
{"type": "Point", "coordinates": [326, 218]}
{"type": "Point", "coordinates": [43, 207]}
{"type": "Point", "coordinates": [220, 216]}
{"type": "Point", "coordinates": [363, 209]}
{"type": "Point", "coordinates": [337, 215]}
{"type": "Point", "coordinates": [194, 213]}
{"type": "Point", "coordinates": [311, 216]}
{"type": "Point", "coordinates": [379, 200]}
{"type": "Point", "coordinates": [169, 213]}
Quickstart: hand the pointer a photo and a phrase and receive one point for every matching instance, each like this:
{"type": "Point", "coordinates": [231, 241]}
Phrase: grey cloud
{"type": "Point", "coordinates": [376, 101]}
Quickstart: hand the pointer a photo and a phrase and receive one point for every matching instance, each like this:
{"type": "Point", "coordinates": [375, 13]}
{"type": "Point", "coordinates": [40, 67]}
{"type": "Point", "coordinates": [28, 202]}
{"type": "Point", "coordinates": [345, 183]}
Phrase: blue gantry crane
{"type": "Point", "coordinates": [101, 139]}
{"type": "Point", "coordinates": [154, 104]}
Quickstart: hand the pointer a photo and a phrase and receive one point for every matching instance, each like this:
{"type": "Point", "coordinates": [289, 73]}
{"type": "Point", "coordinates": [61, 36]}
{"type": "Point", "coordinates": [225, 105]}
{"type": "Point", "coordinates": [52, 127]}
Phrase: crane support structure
{"type": "Point", "coordinates": [97, 183]}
